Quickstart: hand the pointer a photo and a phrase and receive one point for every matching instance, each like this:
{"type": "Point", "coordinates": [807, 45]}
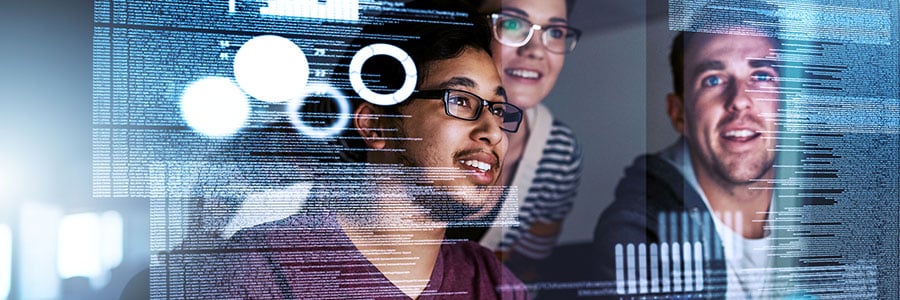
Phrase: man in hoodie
{"type": "Point", "coordinates": [690, 220]}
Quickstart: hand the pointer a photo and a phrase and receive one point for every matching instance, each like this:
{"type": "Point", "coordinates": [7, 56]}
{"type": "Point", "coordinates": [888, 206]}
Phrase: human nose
{"type": "Point", "coordinates": [740, 96]}
{"type": "Point", "coordinates": [487, 128]}
{"type": "Point", "coordinates": [534, 48]}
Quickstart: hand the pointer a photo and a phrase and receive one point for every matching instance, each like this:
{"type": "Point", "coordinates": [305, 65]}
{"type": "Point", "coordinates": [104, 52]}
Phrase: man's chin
{"type": "Point", "coordinates": [453, 214]}
{"type": "Point", "coordinates": [458, 207]}
{"type": "Point", "coordinates": [484, 217]}
{"type": "Point", "coordinates": [743, 175]}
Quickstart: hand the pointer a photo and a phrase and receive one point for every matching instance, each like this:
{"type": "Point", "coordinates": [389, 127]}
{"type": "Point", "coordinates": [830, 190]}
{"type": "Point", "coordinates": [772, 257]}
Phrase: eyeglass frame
{"type": "Point", "coordinates": [495, 16]}
{"type": "Point", "coordinates": [443, 95]}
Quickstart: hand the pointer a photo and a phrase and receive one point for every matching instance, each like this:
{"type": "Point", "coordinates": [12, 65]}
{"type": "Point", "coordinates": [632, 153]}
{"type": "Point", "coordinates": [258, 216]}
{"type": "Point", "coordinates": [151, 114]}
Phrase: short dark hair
{"type": "Point", "coordinates": [429, 42]}
{"type": "Point", "coordinates": [432, 41]}
{"type": "Point", "coordinates": [718, 17]}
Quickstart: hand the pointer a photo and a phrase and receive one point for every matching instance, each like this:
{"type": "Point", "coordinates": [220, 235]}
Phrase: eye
{"type": "Point", "coordinates": [711, 81]}
{"type": "Point", "coordinates": [459, 100]}
{"type": "Point", "coordinates": [498, 110]}
{"type": "Point", "coordinates": [762, 76]}
{"type": "Point", "coordinates": [556, 32]}
{"type": "Point", "coordinates": [511, 24]}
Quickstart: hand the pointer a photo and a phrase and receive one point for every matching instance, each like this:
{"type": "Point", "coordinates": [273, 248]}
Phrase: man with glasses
{"type": "Point", "coordinates": [375, 228]}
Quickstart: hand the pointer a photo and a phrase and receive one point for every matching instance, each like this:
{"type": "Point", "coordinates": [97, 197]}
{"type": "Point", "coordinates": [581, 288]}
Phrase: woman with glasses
{"type": "Point", "coordinates": [531, 40]}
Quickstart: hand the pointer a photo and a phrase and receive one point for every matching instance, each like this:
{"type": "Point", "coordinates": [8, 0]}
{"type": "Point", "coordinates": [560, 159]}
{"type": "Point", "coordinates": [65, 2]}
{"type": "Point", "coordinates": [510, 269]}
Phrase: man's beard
{"type": "Point", "coordinates": [441, 204]}
{"type": "Point", "coordinates": [445, 203]}
{"type": "Point", "coordinates": [739, 173]}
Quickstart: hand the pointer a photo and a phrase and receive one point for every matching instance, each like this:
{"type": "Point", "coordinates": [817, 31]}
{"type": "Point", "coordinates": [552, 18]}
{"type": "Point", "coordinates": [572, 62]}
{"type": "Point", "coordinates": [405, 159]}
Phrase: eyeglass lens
{"type": "Point", "coordinates": [467, 106]}
{"type": "Point", "coordinates": [512, 117]}
{"type": "Point", "coordinates": [516, 32]}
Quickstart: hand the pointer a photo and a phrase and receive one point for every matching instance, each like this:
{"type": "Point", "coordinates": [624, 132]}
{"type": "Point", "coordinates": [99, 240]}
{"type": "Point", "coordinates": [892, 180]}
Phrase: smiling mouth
{"type": "Point", "coordinates": [527, 74]}
{"type": "Point", "coordinates": [480, 166]}
{"type": "Point", "coordinates": [483, 166]}
{"type": "Point", "coordinates": [741, 135]}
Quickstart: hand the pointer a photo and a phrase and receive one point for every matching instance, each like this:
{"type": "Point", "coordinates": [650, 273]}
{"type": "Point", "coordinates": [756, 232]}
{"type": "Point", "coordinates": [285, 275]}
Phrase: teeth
{"type": "Point", "coordinates": [740, 133]}
{"type": "Point", "coordinates": [482, 166]}
{"type": "Point", "coordinates": [524, 74]}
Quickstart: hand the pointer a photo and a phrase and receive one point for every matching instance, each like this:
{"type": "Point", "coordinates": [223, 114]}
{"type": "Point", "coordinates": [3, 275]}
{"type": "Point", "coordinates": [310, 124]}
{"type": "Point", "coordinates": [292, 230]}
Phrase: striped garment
{"type": "Point", "coordinates": [550, 196]}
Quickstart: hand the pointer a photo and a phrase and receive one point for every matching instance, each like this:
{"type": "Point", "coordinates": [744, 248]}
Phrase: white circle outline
{"type": "Point", "coordinates": [320, 88]}
{"type": "Point", "coordinates": [369, 51]}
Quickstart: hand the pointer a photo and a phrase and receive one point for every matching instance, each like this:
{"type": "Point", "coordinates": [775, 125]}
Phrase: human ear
{"type": "Point", "coordinates": [368, 125]}
{"type": "Point", "coordinates": [675, 109]}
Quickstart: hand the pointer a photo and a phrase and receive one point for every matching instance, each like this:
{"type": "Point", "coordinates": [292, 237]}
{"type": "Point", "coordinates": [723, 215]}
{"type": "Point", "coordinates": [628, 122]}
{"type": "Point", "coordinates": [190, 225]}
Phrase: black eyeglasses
{"type": "Point", "coordinates": [516, 31]}
{"type": "Point", "coordinates": [467, 106]}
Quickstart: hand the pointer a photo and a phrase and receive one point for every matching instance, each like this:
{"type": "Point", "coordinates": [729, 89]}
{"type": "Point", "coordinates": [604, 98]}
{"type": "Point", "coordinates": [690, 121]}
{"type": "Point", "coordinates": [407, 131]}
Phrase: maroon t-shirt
{"type": "Point", "coordinates": [303, 257]}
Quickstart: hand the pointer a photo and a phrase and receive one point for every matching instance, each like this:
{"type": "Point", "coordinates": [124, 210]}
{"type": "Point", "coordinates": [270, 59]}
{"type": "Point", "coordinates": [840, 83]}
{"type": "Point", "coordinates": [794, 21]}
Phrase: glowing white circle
{"type": "Point", "coordinates": [396, 97]}
{"type": "Point", "coordinates": [271, 68]}
{"type": "Point", "coordinates": [214, 106]}
{"type": "Point", "coordinates": [343, 115]}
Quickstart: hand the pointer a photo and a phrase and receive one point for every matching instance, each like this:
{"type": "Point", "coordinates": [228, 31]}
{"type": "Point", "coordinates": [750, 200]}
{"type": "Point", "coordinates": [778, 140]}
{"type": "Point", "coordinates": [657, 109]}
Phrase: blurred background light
{"type": "Point", "coordinates": [36, 250]}
{"type": "Point", "coordinates": [215, 106]}
{"type": "Point", "coordinates": [271, 68]}
{"type": "Point", "coordinates": [5, 260]}
{"type": "Point", "coordinates": [79, 246]}
{"type": "Point", "coordinates": [111, 244]}
{"type": "Point", "coordinates": [89, 245]}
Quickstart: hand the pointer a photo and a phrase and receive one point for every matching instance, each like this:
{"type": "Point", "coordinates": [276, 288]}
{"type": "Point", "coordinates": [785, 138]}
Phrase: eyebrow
{"type": "Point", "coordinates": [761, 63]}
{"type": "Point", "coordinates": [717, 65]}
{"type": "Point", "coordinates": [525, 14]}
{"type": "Point", "coordinates": [709, 65]}
{"type": "Point", "coordinates": [706, 66]}
{"type": "Point", "coordinates": [469, 83]}
{"type": "Point", "coordinates": [500, 91]}
{"type": "Point", "coordinates": [458, 81]}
